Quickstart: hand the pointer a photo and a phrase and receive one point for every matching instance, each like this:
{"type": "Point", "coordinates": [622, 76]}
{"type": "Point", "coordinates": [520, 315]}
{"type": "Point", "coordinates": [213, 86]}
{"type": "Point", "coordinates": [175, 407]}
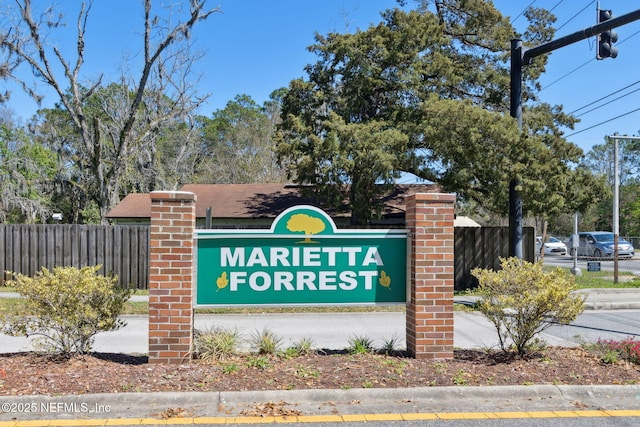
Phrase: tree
{"type": "Point", "coordinates": [426, 92]}
{"type": "Point", "coordinates": [237, 143]}
{"type": "Point", "coordinates": [600, 161]}
{"type": "Point", "coordinates": [342, 130]}
{"type": "Point", "coordinates": [630, 211]}
{"type": "Point", "coordinates": [134, 109]}
{"type": "Point", "coordinates": [27, 170]}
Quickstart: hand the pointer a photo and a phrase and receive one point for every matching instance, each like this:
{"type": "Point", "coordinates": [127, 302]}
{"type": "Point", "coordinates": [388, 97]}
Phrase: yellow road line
{"type": "Point", "coordinates": [310, 419]}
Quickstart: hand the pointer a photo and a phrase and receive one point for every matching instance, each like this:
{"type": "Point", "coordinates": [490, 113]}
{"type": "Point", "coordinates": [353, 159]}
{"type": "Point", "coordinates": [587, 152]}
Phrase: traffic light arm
{"type": "Point", "coordinates": [529, 54]}
{"type": "Point", "coordinates": [520, 57]}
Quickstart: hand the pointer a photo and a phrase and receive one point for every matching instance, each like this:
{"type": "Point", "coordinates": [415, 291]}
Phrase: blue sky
{"type": "Point", "coordinates": [254, 47]}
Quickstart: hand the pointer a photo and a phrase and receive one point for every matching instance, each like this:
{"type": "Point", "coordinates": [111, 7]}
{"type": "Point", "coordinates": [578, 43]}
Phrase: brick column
{"type": "Point", "coordinates": [171, 258]}
{"type": "Point", "coordinates": [429, 218]}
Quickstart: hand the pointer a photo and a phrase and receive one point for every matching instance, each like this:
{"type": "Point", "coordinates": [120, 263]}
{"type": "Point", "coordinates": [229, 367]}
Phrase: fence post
{"type": "Point", "coordinates": [171, 260]}
{"type": "Point", "coordinates": [429, 319]}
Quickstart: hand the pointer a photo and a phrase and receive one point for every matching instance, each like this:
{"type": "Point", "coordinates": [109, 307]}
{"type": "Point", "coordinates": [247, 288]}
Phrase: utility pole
{"type": "Point", "coordinates": [515, 198]}
{"type": "Point", "coordinates": [519, 58]}
{"type": "Point", "coordinates": [616, 199]}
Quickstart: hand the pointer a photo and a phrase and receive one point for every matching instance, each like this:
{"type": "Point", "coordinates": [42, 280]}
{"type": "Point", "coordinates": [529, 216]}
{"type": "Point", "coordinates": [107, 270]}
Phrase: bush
{"type": "Point", "coordinates": [215, 344]}
{"type": "Point", "coordinates": [522, 300]}
{"type": "Point", "coordinates": [265, 342]}
{"type": "Point", "coordinates": [67, 308]}
{"type": "Point", "coordinates": [390, 346]}
{"type": "Point", "coordinates": [360, 345]}
{"type": "Point", "coordinates": [627, 349]}
{"type": "Point", "coordinates": [300, 348]}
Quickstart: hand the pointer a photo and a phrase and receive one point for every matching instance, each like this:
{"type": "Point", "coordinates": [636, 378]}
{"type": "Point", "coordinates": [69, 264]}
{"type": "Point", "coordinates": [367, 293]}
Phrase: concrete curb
{"type": "Point", "coordinates": [595, 299]}
{"type": "Point", "coordinates": [326, 402]}
{"type": "Point", "coordinates": [611, 298]}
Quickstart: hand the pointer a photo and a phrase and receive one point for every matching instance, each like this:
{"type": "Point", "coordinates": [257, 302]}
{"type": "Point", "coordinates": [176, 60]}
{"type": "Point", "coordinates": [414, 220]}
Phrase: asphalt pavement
{"type": "Point", "coordinates": [333, 331]}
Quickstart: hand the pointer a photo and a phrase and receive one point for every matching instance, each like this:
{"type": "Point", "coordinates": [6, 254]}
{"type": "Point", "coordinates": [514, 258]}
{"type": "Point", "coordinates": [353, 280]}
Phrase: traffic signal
{"type": "Point", "coordinates": [606, 39]}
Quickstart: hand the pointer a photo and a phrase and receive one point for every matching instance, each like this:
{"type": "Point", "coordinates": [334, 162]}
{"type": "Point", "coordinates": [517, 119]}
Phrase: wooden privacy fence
{"type": "Point", "coordinates": [121, 250]}
{"type": "Point", "coordinates": [482, 247]}
{"type": "Point", "coordinates": [124, 250]}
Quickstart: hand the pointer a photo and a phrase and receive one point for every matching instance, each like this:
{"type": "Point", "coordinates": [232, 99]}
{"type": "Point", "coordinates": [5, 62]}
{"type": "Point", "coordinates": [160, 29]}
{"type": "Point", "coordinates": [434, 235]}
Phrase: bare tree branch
{"type": "Point", "coordinates": [128, 124]}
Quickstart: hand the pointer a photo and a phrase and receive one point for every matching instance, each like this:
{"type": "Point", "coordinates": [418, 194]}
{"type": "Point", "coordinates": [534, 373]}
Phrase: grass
{"type": "Point", "coordinates": [604, 279]}
{"type": "Point", "coordinates": [595, 279]}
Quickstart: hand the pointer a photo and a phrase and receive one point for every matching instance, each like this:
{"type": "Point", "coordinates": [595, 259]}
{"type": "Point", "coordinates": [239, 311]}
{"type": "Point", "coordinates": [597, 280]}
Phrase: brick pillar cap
{"type": "Point", "coordinates": [434, 196]}
{"type": "Point", "coordinates": [172, 195]}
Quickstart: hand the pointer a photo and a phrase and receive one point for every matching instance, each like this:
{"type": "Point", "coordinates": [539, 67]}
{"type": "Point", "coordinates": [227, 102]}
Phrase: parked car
{"type": "Point", "coordinates": [600, 244]}
{"type": "Point", "coordinates": [552, 246]}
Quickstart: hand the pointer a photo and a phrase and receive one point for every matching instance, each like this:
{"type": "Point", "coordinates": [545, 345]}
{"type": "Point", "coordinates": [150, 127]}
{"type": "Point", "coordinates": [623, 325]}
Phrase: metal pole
{"type": "Point", "coordinates": [520, 57]}
{"type": "Point", "coordinates": [616, 210]}
{"type": "Point", "coordinates": [574, 245]}
{"type": "Point", "coordinates": [616, 198]}
{"type": "Point", "coordinates": [515, 198]}
{"type": "Point", "coordinates": [585, 33]}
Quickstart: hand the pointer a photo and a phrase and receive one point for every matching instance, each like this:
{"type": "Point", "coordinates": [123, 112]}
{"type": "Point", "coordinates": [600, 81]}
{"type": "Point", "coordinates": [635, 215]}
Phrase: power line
{"type": "Point", "coordinates": [605, 97]}
{"type": "Point", "coordinates": [574, 16]}
{"type": "Point", "coordinates": [601, 123]}
{"type": "Point", "coordinates": [605, 104]}
{"type": "Point", "coordinates": [523, 11]}
{"type": "Point", "coordinates": [557, 4]}
{"type": "Point", "coordinates": [580, 66]}
{"type": "Point", "coordinates": [570, 19]}
{"type": "Point", "coordinates": [632, 35]}
{"type": "Point", "coordinates": [583, 65]}
{"type": "Point", "coordinates": [566, 75]}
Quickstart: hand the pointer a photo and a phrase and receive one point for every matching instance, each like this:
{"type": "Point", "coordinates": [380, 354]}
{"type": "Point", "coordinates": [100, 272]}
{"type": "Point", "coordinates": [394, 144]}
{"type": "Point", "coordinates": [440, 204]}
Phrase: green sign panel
{"type": "Point", "coordinates": [303, 259]}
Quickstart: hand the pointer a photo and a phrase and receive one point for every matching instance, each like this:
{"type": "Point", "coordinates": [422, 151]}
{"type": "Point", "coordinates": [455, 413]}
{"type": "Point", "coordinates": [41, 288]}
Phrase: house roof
{"type": "Point", "coordinates": [254, 200]}
{"type": "Point", "coordinates": [465, 221]}
{"type": "Point", "coordinates": [134, 205]}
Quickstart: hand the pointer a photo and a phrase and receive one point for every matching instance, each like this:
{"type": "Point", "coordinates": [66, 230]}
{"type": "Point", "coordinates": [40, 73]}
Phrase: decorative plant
{"type": "Point", "coordinates": [67, 308]}
{"type": "Point", "coordinates": [522, 300]}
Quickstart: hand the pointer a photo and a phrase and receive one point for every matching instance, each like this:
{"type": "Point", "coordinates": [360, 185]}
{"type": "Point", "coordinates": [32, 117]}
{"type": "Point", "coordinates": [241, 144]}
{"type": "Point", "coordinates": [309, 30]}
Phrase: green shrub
{"type": "Point", "coordinates": [215, 343]}
{"type": "Point", "coordinates": [522, 300]}
{"type": "Point", "coordinates": [390, 346]}
{"type": "Point", "coordinates": [304, 346]}
{"type": "Point", "coordinates": [259, 362]}
{"type": "Point", "coordinates": [360, 345]}
{"type": "Point", "coordinates": [300, 348]}
{"type": "Point", "coordinates": [266, 342]}
{"type": "Point", "coordinates": [67, 308]}
{"type": "Point", "coordinates": [627, 349]}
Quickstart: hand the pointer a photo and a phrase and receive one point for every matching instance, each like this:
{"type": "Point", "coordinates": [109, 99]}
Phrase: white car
{"type": "Point", "coordinates": [552, 246]}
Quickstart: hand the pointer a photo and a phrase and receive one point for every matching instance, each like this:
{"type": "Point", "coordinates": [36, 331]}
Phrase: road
{"type": "Point", "coordinates": [535, 422]}
{"type": "Point", "coordinates": [335, 330]}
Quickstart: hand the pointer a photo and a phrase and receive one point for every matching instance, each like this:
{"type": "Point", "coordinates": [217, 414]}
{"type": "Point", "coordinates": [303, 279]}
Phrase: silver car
{"type": "Point", "coordinates": [600, 244]}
